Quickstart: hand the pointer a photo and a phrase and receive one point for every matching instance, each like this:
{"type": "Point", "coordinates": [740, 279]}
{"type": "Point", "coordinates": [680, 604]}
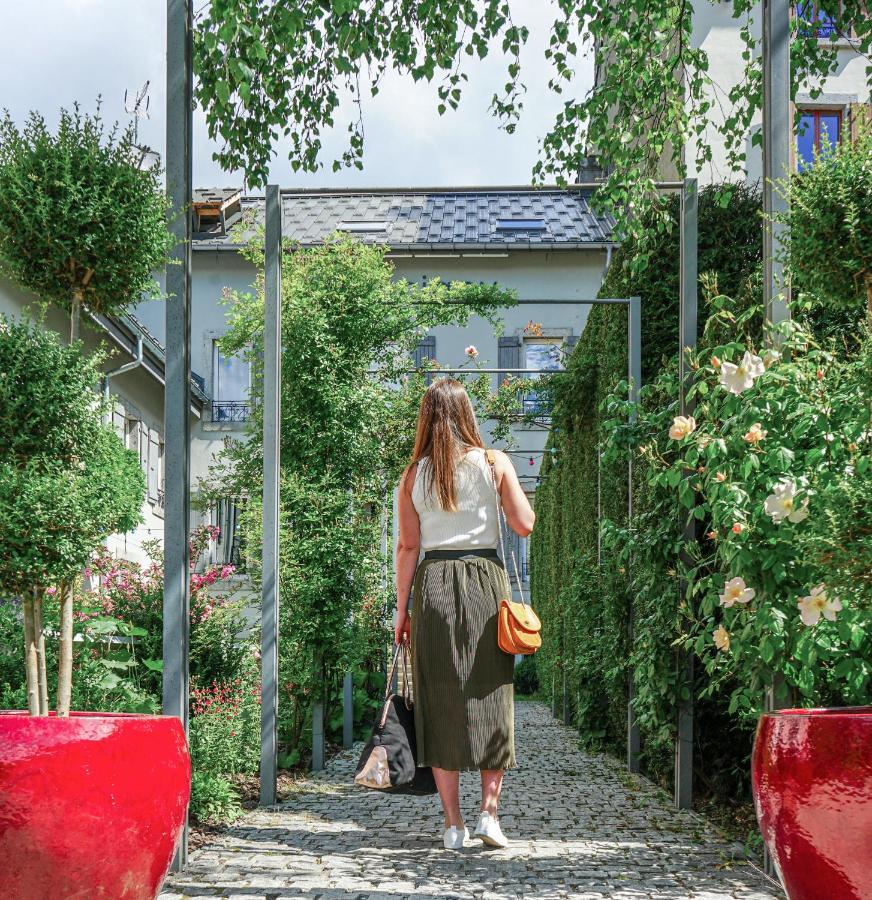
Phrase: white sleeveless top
{"type": "Point", "coordinates": [474, 523]}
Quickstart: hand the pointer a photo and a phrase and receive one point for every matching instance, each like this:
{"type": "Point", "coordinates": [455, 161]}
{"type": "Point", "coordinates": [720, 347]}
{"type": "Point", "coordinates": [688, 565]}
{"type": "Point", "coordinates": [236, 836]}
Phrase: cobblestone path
{"type": "Point", "coordinates": [579, 827]}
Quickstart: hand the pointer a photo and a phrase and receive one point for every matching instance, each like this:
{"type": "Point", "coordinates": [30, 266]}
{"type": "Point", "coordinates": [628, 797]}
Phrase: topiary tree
{"type": "Point", "coordinates": [80, 222]}
{"type": "Point", "coordinates": [66, 483]}
{"type": "Point", "coordinates": [830, 222]}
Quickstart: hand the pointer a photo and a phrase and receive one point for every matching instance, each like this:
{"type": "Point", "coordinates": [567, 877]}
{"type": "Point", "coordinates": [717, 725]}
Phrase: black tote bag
{"type": "Point", "coordinates": [389, 759]}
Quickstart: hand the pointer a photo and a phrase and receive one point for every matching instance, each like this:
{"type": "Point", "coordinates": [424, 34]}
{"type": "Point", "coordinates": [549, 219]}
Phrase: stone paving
{"type": "Point", "coordinates": [579, 827]}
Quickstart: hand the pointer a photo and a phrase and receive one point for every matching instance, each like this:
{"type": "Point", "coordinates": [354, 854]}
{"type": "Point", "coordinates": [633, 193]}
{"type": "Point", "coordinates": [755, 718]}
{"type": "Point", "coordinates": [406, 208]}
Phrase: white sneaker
{"type": "Point", "coordinates": [488, 829]}
{"type": "Point", "coordinates": [454, 837]}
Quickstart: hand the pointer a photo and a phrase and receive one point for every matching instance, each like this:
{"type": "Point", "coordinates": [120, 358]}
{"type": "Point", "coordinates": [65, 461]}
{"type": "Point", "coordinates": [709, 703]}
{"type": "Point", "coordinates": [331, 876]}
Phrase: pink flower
{"type": "Point", "coordinates": [471, 351]}
{"type": "Point", "coordinates": [51, 590]}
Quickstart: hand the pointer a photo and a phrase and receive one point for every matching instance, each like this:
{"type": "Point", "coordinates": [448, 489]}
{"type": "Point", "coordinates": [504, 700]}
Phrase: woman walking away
{"type": "Point", "coordinates": [462, 680]}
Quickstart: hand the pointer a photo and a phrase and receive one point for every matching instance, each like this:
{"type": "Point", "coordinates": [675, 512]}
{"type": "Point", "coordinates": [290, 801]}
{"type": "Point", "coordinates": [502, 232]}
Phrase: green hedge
{"type": "Point", "coordinates": [812, 401]}
{"type": "Point", "coordinates": [585, 607]}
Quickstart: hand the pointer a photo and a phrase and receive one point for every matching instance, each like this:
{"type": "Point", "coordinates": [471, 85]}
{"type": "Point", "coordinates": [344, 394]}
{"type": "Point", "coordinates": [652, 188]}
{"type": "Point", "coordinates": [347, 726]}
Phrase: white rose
{"type": "Point", "coordinates": [682, 426]}
{"type": "Point", "coordinates": [816, 604]}
{"type": "Point", "coordinates": [781, 503]}
{"type": "Point", "coordinates": [736, 591]}
{"type": "Point", "coordinates": [738, 378]}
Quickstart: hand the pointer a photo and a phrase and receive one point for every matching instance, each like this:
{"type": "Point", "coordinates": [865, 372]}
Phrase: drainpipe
{"type": "Point", "coordinates": [135, 363]}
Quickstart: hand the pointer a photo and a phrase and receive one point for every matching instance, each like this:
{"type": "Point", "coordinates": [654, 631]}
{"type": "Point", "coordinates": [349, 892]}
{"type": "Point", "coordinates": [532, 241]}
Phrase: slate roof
{"type": "Point", "coordinates": [439, 218]}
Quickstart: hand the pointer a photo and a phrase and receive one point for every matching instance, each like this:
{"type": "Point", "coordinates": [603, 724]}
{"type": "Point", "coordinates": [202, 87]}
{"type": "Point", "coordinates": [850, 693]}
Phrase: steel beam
{"type": "Point", "coordinates": [687, 343]}
{"type": "Point", "coordinates": [269, 624]}
{"type": "Point", "coordinates": [777, 138]}
{"type": "Point", "coordinates": [177, 390]}
{"type": "Point", "coordinates": [634, 374]}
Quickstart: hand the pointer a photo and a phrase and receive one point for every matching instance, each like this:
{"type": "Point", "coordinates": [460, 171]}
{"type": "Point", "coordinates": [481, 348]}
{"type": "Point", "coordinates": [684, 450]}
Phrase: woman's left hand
{"type": "Point", "coordinates": [401, 630]}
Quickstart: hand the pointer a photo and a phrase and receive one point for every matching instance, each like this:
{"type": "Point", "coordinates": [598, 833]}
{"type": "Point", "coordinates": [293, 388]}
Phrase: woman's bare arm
{"type": "Point", "coordinates": [408, 548]}
{"type": "Point", "coordinates": [519, 513]}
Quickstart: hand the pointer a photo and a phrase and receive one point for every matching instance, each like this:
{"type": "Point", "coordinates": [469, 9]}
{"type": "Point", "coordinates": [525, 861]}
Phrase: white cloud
{"type": "Point", "coordinates": [88, 48]}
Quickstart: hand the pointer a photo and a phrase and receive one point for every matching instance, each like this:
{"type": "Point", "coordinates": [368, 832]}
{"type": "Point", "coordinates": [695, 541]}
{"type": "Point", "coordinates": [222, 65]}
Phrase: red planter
{"type": "Point", "coordinates": [90, 806]}
{"type": "Point", "coordinates": [812, 780]}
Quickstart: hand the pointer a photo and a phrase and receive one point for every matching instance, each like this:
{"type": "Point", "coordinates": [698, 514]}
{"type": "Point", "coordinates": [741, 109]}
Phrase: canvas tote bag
{"type": "Point", "coordinates": [389, 759]}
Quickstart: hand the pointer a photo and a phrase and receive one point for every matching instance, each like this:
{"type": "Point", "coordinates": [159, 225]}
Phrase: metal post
{"type": "Point", "coordinates": [269, 623]}
{"type": "Point", "coordinates": [634, 373]}
{"type": "Point", "coordinates": [347, 711]}
{"type": "Point", "coordinates": [318, 715]}
{"type": "Point", "coordinates": [177, 394]}
{"type": "Point", "coordinates": [687, 342]}
{"type": "Point", "coordinates": [777, 137]}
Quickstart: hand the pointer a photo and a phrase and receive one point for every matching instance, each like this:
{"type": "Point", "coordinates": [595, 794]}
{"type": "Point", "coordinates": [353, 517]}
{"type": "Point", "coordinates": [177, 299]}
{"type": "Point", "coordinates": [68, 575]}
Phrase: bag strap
{"type": "Point", "coordinates": [400, 649]}
{"type": "Point", "coordinates": [502, 523]}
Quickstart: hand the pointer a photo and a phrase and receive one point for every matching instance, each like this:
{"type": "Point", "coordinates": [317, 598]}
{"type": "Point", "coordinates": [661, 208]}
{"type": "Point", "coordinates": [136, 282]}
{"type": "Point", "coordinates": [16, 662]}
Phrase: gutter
{"type": "Point", "coordinates": [135, 363]}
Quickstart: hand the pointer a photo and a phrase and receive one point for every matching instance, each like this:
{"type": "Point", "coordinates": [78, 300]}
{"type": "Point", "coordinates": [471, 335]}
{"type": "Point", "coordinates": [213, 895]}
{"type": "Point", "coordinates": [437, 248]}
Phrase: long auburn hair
{"type": "Point", "coordinates": [446, 428]}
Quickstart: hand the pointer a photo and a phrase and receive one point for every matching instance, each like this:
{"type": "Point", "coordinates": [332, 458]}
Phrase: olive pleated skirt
{"type": "Point", "coordinates": [462, 680]}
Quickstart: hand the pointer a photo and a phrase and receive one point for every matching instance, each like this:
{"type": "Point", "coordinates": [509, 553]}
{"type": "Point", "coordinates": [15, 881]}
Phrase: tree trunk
{"type": "Point", "coordinates": [40, 652]}
{"type": "Point", "coordinates": [65, 652]}
{"type": "Point", "coordinates": [30, 660]}
{"type": "Point", "coordinates": [75, 315]}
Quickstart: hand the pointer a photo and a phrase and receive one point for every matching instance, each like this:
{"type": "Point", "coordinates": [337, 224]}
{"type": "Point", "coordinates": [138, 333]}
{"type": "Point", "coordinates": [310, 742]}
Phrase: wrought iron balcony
{"type": "Point", "coordinates": [231, 410]}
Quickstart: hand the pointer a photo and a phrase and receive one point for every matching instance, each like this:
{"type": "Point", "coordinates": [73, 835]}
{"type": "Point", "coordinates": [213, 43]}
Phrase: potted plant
{"type": "Point", "coordinates": [91, 804]}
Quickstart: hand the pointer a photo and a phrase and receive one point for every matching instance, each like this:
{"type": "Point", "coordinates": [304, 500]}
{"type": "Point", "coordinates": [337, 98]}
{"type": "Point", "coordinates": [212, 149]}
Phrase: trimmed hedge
{"type": "Point", "coordinates": [585, 606]}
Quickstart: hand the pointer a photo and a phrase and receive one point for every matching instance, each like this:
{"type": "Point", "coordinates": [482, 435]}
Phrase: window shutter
{"type": "Point", "coordinates": [509, 354]}
{"type": "Point", "coordinates": [141, 436]}
{"type": "Point", "coordinates": [119, 423]}
{"type": "Point", "coordinates": [426, 349]}
{"type": "Point", "coordinates": [153, 462]}
{"type": "Point", "coordinates": [571, 341]}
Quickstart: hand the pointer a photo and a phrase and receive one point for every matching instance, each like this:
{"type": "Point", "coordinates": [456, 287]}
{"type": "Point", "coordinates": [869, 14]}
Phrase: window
{"type": "Point", "coordinates": [539, 354]}
{"type": "Point", "coordinates": [363, 227]}
{"type": "Point", "coordinates": [815, 21]}
{"type": "Point", "coordinates": [520, 224]}
{"type": "Point", "coordinates": [231, 384]}
{"type": "Point", "coordinates": [818, 132]}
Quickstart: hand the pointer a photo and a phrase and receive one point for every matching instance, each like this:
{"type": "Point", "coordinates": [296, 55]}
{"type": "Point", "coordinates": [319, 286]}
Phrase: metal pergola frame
{"type": "Point", "coordinates": [777, 133]}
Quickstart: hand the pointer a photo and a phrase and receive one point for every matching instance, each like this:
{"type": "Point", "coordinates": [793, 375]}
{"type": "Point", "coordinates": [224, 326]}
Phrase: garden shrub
{"type": "Point", "coordinates": [777, 473]}
{"type": "Point", "coordinates": [214, 800]}
{"type": "Point", "coordinates": [586, 605]}
{"type": "Point", "coordinates": [526, 681]}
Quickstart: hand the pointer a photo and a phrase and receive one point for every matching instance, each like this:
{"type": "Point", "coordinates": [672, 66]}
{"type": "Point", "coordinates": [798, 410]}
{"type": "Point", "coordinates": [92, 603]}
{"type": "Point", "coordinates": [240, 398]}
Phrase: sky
{"type": "Point", "coordinates": [56, 52]}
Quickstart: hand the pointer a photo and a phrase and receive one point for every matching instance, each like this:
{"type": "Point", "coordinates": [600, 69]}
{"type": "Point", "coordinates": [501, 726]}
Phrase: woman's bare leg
{"type": "Point", "coordinates": [448, 783]}
{"type": "Point", "coordinates": [491, 785]}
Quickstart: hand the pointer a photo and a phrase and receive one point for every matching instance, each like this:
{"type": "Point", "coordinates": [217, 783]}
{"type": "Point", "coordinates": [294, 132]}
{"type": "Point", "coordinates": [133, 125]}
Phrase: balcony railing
{"type": "Point", "coordinates": [231, 410]}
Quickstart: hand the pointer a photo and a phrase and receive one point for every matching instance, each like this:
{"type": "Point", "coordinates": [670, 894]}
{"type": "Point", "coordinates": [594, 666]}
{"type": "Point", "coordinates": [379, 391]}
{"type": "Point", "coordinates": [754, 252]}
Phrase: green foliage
{"type": "Point", "coordinates": [585, 605]}
{"type": "Point", "coordinates": [66, 480]}
{"type": "Point", "coordinates": [348, 416]}
{"type": "Point", "coordinates": [830, 226]}
{"type": "Point", "coordinates": [225, 723]}
{"type": "Point", "coordinates": [77, 214]}
{"type": "Point", "coordinates": [526, 680]}
{"type": "Point", "coordinates": [214, 800]}
{"type": "Point", "coordinates": [813, 403]}
{"type": "Point", "coordinates": [273, 68]}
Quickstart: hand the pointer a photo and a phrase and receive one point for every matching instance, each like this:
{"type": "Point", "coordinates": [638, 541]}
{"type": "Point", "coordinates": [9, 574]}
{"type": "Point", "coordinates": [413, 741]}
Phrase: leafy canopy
{"type": "Point", "coordinates": [77, 214]}
{"type": "Point", "coordinates": [66, 480]}
{"type": "Point", "coordinates": [268, 68]}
